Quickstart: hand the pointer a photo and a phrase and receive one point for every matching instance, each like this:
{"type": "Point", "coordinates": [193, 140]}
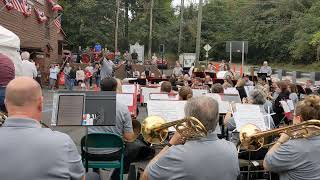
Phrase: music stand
{"type": "Point", "coordinates": [262, 75]}
{"type": "Point", "coordinates": [211, 74]}
{"type": "Point", "coordinates": [199, 74]}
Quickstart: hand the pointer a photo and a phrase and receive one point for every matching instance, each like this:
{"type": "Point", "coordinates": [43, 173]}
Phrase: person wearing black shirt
{"type": "Point", "coordinates": [134, 57]}
{"type": "Point", "coordinates": [282, 90]}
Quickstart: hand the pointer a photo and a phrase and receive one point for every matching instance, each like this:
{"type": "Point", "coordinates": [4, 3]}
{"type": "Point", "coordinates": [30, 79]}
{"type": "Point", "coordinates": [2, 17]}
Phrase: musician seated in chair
{"type": "Point", "coordinates": [122, 128]}
{"type": "Point", "coordinates": [166, 87]}
{"type": "Point", "coordinates": [27, 150]}
{"type": "Point", "coordinates": [297, 158]}
{"type": "Point", "coordinates": [204, 158]}
{"type": "Point", "coordinates": [255, 97]}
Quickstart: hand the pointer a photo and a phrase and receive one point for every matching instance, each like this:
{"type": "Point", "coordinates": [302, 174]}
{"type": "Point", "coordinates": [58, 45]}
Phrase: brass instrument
{"type": "Point", "coordinates": [3, 117]}
{"type": "Point", "coordinates": [253, 139]}
{"type": "Point", "coordinates": [155, 129]}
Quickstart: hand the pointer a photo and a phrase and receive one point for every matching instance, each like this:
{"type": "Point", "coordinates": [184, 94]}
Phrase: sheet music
{"type": "Point", "coordinates": [158, 96]}
{"type": "Point", "coordinates": [285, 106]}
{"type": "Point", "coordinates": [243, 118]}
{"type": "Point", "coordinates": [69, 109]}
{"type": "Point", "coordinates": [290, 104]}
{"type": "Point", "coordinates": [247, 108]}
{"type": "Point", "coordinates": [231, 91]}
{"type": "Point", "coordinates": [54, 109]}
{"type": "Point", "coordinates": [128, 88]}
{"type": "Point", "coordinates": [224, 107]}
{"type": "Point", "coordinates": [125, 99]}
{"type": "Point", "coordinates": [199, 92]}
{"type": "Point", "coordinates": [248, 89]}
{"type": "Point", "coordinates": [220, 74]}
{"type": "Point", "coordinates": [231, 98]}
{"type": "Point", "coordinates": [168, 110]}
{"type": "Point", "coordinates": [214, 96]}
{"type": "Point", "coordinates": [146, 91]}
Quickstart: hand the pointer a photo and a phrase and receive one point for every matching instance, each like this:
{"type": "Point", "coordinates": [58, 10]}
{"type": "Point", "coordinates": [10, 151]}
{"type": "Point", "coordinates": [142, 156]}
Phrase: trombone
{"type": "Point", "coordinates": [253, 139]}
{"type": "Point", "coordinates": [154, 129]}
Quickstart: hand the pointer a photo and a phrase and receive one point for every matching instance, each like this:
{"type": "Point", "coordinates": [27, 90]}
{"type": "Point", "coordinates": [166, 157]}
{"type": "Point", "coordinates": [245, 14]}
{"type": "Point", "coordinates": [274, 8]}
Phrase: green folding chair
{"type": "Point", "coordinates": [103, 141]}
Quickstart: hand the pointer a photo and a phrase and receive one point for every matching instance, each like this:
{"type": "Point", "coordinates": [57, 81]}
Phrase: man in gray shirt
{"type": "Point", "coordinates": [107, 67]}
{"type": "Point", "coordinates": [266, 69]}
{"type": "Point", "coordinates": [27, 150]}
{"type": "Point", "coordinates": [122, 128]}
{"type": "Point", "coordinates": [206, 158]}
{"type": "Point", "coordinates": [295, 159]}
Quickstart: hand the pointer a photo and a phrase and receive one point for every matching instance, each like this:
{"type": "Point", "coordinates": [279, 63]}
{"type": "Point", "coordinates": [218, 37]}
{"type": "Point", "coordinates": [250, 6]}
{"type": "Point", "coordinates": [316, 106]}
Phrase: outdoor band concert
{"type": "Point", "coordinates": [159, 90]}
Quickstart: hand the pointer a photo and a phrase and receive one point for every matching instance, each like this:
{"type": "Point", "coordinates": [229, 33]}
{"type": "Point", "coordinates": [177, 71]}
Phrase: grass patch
{"type": "Point", "coordinates": [297, 67]}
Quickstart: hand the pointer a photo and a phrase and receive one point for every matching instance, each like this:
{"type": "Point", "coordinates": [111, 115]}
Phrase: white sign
{"type": "Point", "coordinates": [125, 99]}
{"type": "Point", "coordinates": [138, 49]}
{"type": "Point", "coordinates": [207, 47]}
{"type": "Point", "coordinates": [168, 110]}
{"type": "Point", "coordinates": [186, 59]}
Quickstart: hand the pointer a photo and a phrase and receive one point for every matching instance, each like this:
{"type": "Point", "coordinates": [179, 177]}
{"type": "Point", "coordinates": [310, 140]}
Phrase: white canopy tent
{"type": "Point", "coordinates": [10, 46]}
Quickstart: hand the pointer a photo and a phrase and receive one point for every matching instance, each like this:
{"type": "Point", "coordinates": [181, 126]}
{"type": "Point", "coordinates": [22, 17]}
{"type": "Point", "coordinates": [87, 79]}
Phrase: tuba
{"type": "Point", "coordinates": [154, 129]}
{"type": "Point", "coordinates": [253, 139]}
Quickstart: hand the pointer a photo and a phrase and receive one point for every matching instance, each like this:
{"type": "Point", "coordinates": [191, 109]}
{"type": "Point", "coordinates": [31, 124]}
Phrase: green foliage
{"type": "Point", "coordinates": [282, 31]}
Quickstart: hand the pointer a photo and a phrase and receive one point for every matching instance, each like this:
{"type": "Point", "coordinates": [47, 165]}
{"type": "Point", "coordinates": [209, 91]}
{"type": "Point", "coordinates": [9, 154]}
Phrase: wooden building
{"type": "Point", "coordinates": [42, 40]}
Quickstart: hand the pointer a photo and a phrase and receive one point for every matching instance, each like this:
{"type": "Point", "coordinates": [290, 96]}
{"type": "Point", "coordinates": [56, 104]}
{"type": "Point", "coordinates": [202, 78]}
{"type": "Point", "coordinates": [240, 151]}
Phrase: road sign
{"type": "Point", "coordinates": [207, 47]}
{"type": "Point", "coordinates": [207, 54]}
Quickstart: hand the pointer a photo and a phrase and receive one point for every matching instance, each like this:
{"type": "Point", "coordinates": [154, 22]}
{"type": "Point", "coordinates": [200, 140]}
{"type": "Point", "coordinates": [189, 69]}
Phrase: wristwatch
{"type": "Point", "coordinates": [169, 144]}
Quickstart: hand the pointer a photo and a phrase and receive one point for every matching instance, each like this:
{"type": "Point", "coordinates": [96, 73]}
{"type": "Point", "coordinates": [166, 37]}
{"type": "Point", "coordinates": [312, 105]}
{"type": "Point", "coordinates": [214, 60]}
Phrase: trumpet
{"type": "Point", "coordinates": [154, 129]}
{"type": "Point", "coordinates": [253, 139]}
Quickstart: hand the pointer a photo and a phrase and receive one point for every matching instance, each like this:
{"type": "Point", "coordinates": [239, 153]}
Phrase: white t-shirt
{"type": "Point", "coordinates": [29, 69]}
{"type": "Point", "coordinates": [53, 73]}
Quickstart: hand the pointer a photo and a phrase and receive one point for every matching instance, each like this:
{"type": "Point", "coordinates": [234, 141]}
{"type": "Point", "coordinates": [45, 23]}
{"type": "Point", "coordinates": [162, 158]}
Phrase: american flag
{"type": "Point", "coordinates": [19, 5]}
{"type": "Point", "coordinates": [57, 23]}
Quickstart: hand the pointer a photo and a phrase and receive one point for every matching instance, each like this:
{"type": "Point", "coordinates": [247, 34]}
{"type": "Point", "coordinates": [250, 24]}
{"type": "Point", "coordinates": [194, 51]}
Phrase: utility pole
{"type": "Point", "coordinates": [198, 41]}
{"type": "Point", "coordinates": [126, 28]}
{"type": "Point", "coordinates": [117, 27]}
{"type": "Point", "coordinates": [150, 30]}
{"type": "Point", "coordinates": [181, 26]}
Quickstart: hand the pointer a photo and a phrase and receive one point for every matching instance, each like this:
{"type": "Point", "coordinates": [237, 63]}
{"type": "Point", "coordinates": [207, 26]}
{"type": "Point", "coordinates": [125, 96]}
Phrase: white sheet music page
{"type": "Point", "coordinates": [158, 96]}
{"type": "Point", "coordinates": [146, 91]}
{"type": "Point", "coordinates": [285, 106]}
{"type": "Point", "coordinates": [231, 91]}
{"type": "Point", "coordinates": [128, 88]}
{"type": "Point", "coordinates": [248, 89]}
{"type": "Point", "coordinates": [214, 96]}
{"type": "Point", "coordinates": [125, 99]}
{"type": "Point", "coordinates": [255, 118]}
{"type": "Point", "coordinates": [199, 92]}
{"type": "Point", "coordinates": [247, 108]}
{"type": "Point", "coordinates": [168, 110]}
{"type": "Point", "coordinates": [290, 104]}
{"type": "Point", "coordinates": [224, 107]}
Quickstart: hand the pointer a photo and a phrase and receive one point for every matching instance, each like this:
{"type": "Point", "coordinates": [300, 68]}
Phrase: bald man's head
{"type": "Point", "coordinates": [23, 92]}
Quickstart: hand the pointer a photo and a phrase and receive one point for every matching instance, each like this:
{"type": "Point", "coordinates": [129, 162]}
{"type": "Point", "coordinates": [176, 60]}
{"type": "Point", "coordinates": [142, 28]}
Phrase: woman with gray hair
{"type": "Point", "coordinates": [255, 97]}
